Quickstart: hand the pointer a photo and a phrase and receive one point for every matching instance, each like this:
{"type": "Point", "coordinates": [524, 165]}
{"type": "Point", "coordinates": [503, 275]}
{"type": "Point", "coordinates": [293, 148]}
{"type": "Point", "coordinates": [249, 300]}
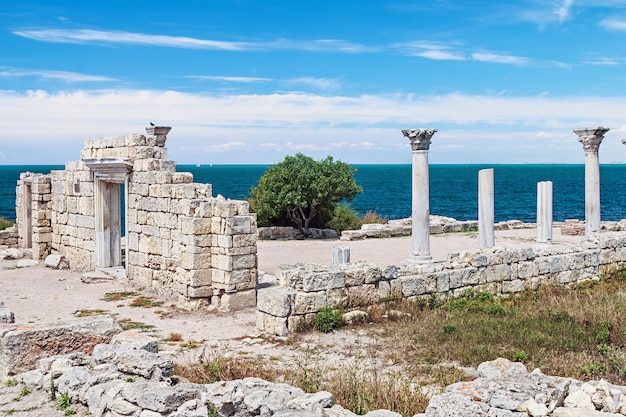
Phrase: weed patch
{"type": "Point", "coordinates": [119, 295]}
{"type": "Point", "coordinates": [145, 302]}
{"type": "Point", "coordinates": [327, 320]}
{"type": "Point", "coordinates": [128, 324]}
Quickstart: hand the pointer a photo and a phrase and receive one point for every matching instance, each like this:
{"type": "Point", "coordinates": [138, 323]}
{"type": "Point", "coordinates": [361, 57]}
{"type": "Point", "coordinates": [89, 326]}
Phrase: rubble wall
{"type": "Point", "coordinates": [304, 289]}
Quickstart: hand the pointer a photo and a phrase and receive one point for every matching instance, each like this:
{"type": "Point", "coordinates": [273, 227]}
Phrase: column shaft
{"type": "Point", "coordinates": [592, 195]}
{"type": "Point", "coordinates": [420, 243]}
{"type": "Point", "coordinates": [544, 212]}
{"type": "Point", "coordinates": [486, 237]}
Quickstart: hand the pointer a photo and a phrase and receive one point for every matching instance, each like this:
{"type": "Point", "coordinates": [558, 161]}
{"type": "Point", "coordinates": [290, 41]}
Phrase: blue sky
{"type": "Point", "coordinates": [247, 81]}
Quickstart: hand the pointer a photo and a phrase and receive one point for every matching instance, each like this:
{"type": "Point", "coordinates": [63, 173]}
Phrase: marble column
{"type": "Point", "coordinates": [486, 236]}
{"type": "Point", "coordinates": [544, 212]}
{"type": "Point", "coordinates": [591, 137]}
{"type": "Point", "coordinates": [420, 235]}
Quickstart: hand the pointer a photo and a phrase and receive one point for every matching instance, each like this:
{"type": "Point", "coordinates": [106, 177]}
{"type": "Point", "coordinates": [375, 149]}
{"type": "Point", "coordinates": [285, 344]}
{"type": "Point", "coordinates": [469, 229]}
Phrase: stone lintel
{"type": "Point", "coordinates": [112, 170]}
{"type": "Point", "coordinates": [420, 138]}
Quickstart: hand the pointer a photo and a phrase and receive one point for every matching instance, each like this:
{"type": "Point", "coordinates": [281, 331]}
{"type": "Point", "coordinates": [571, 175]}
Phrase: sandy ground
{"type": "Point", "coordinates": [40, 294]}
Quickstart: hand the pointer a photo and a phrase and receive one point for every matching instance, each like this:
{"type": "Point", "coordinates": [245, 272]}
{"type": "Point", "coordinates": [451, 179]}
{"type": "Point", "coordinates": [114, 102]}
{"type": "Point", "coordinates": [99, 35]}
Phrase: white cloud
{"type": "Point", "coordinates": [563, 11]}
{"type": "Point", "coordinates": [546, 12]}
{"type": "Point", "coordinates": [39, 125]}
{"type": "Point", "coordinates": [439, 51]}
{"type": "Point", "coordinates": [83, 36]}
{"type": "Point", "coordinates": [229, 78]}
{"type": "Point", "coordinates": [499, 58]}
{"type": "Point", "coordinates": [322, 83]}
{"type": "Point", "coordinates": [50, 74]}
{"type": "Point", "coordinates": [614, 24]}
{"type": "Point", "coordinates": [323, 45]}
{"type": "Point", "coordinates": [224, 147]}
{"type": "Point", "coordinates": [88, 35]}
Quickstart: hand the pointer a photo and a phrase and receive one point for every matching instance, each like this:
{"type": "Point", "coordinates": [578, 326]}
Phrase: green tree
{"type": "Point", "coordinates": [302, 191]}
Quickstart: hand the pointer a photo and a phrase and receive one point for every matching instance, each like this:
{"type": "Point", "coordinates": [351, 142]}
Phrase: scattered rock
{"type": "Point", "coordinates": [25, 263]}
{"type": "Point", "coordinates": [57, 261]}
{"type": "Point", "coordinates": [6, 316]}
{"type": "Point", "coordinates": [356, 316]}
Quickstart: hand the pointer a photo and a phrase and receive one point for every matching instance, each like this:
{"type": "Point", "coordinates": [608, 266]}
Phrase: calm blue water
{"type": "Point", "coordinates": [387, 188]}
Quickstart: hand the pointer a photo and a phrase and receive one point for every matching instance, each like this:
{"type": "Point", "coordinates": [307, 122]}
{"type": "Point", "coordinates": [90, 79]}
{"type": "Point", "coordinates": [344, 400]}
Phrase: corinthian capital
{"type": "Point", "coordinates": [420, 138]}
{"type": "Point", "coordinates": [591, 138]}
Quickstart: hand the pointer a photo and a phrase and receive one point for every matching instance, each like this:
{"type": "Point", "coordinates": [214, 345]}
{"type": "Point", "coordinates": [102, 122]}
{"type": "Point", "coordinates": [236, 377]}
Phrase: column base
{"type": "Point", "coordinates": [420, 259]}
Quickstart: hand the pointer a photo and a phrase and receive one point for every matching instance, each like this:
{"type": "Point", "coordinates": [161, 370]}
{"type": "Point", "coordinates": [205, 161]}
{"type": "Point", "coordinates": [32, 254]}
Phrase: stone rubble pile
{"type": "Point", "coordinates": [13, 254]}
{"type": "Point", "coordinates": [506, 389]}
{"type": "Point", "coordinates": [128, 377]}
{"type": "Point", "coordinates": [437, 225]}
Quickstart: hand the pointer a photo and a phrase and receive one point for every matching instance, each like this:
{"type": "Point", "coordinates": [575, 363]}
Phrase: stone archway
{"type": "Point", "coordinates": [109, 175]}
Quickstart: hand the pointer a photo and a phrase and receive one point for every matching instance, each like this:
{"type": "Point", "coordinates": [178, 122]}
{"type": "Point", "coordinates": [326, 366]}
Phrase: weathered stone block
{"type": "Point", "coordinates": [311, 302]}
{"type": "Point", "coordinates": [195, 225]}
{"type": "Point", "coordinates": [412, 285]}
{"type": "Point", "coordinates": [200, 292]}
{"type": "Point", "coordinates": [362, 295]}
{"type": "Point", "coordinates": [317, 281]}
{"type": "Point", "coordinates": [276, 301]}
{"type": "Point", "coordinates": [22, 346]}
{"type": "Point", "coordinates": [223, 262]}
{"type": "Point", "coordinates": [195, 260]}
{"type": "Point", "coordinates": [238, 301]}
{"type": "Point", "coordinates": [200, 277]}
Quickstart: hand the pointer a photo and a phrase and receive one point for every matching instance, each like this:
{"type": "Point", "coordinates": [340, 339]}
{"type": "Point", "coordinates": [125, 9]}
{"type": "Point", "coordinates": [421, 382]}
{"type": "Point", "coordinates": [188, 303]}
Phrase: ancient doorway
{"type": "Point", "coordinates": [110, 181]}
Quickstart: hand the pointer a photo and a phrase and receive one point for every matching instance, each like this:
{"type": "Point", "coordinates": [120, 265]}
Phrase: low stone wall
{"type": "Point", "coordinates": [290, 233]}
{"type": "Point", "coordinates": [304, 289]}
{"type": "Point", "coordinates": [8, 237]}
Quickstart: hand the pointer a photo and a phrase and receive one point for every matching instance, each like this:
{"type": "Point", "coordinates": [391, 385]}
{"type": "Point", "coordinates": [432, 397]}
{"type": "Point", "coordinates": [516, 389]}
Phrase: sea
{"type": "Point", "coordinates": [387, 188]}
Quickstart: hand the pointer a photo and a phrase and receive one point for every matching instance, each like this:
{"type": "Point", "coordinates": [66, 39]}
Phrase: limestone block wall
{"type": "Point", "coordinates": [72, 215]}
{"type": "Point", "coordinates": [304, 289]}
{"type": "Point", "coordinates": [8, 237]}
{"type": "Point", "coordinates": [34, 213]}
{"type": "Point", "coordinates": [180, 241]}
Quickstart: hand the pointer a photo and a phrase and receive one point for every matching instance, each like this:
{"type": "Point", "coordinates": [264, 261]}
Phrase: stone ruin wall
{"type": "Point", "coordinates": [180, 241]}
{"type": "Point", "coordinates": [304, 289]}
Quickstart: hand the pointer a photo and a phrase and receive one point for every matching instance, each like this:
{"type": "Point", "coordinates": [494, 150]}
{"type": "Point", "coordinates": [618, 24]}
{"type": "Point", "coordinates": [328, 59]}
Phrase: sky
{"type": "Point", "coordinates": [248, 82]}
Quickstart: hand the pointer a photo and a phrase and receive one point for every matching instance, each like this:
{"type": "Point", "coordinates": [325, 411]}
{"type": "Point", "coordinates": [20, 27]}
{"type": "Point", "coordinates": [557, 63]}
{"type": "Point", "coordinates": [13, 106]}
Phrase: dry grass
{"type": "Point", "coordinates": [371, 217]}
{"type": "Point", "coordinates": [420, 347]}
{"type": "Point", "coordinates": [5, 223]}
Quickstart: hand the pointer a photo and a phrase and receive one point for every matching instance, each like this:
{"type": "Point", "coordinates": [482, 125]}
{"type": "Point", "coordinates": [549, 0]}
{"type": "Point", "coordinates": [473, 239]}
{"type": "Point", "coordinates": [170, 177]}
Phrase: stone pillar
{"type": "Point", "coordinates": [591, 137]}
{"type": "Point", "coordinates": [420, 238]}
{"type": "Point", "coordinates": [486, 237]}
{"type": "Point", "coordinates": [544, 212]}
{"type": "Point", "coordinates": [341, 254]}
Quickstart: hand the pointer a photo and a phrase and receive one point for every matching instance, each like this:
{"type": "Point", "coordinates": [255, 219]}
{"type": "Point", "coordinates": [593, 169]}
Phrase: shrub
{"type": "Point", "coordinates": [520, 356]}
{"type": "Point", "coordinates": [5, 223]}
{"type": "Point", "coordinates": [327, 320]}
{"type": "Point", "coordinates": [302, 191]}
{"type": "Point", "coordinates": [371, 217]}
{"type": "Point", "coordinates": [344, 218]}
